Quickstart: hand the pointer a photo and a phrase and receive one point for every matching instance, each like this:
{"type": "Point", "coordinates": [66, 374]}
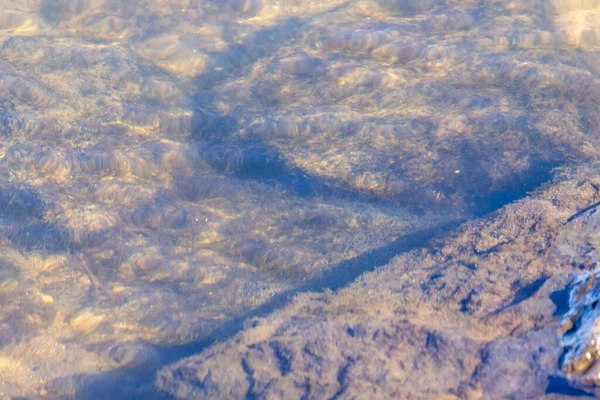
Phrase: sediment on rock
{"type": "Point", "coordinates": [476, 315]}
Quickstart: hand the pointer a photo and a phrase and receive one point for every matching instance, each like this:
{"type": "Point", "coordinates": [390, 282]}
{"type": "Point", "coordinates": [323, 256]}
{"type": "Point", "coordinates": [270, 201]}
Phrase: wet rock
{"type": "Point", "coordinates": [580, 334]}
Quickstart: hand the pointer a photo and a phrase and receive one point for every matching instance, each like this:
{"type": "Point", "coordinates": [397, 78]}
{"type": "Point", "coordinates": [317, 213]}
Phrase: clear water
{"type": "Point", "coordinates": [171, 168]}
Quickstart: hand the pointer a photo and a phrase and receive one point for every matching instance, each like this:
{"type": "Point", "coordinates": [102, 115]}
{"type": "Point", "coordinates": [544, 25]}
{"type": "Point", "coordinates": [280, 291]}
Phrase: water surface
{"type": "Point", "coordinates": [169, 168]}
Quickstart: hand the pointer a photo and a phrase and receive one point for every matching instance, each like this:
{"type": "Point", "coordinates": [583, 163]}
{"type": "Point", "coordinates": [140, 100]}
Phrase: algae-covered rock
{"type": "Point", "coordinates": [474, 315]}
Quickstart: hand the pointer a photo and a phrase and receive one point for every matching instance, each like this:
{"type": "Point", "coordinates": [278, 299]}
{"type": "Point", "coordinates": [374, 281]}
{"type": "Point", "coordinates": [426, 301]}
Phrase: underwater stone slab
{"type": "Point", "coordinates": [474, 316]}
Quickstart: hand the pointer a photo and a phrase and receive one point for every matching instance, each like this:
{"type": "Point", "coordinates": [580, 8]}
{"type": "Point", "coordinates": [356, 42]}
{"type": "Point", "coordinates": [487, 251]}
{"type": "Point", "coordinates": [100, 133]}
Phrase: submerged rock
{"type": "Point", "coordinates": [473, 316]}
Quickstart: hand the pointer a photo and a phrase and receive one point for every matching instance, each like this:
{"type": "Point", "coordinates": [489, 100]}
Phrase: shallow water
{"type": "Point", "coordinates": [171, 168]}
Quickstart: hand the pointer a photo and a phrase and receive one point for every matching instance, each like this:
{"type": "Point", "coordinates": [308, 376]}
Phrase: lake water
{"type": "Point", "coordinates": [171, 168]}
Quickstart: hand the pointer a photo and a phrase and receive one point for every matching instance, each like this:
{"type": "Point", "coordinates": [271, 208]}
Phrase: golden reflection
{"type": "Point", "coordinates": [576, 21]}
{"type": "Point", "coordinates": [172, 54]}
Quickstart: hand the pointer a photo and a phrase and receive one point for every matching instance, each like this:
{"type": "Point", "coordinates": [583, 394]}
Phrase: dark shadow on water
{"type": "Point", "coordinates": [228, 149]}
{"type": "Point", "coordinates": [522, 293]}
{"type": "Point", "coordinates": [559, 385]}
{"type": "Point", "coordinates": [21, 202]}
{"type": "Point", "coordinates": [22, 218]}
{"type": "Point", "coordinates": [258, 161]}
{"type": "Point", "coordinates": [118, 384]}
{"type": "Point", "coordinates": [539, 173]}
{"type": "Point", "coordinates": [560, 298]}
{"type": "Point", "coordinates": [39, 236]}
{"type": "Point", "coordinates": [254, 159]}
